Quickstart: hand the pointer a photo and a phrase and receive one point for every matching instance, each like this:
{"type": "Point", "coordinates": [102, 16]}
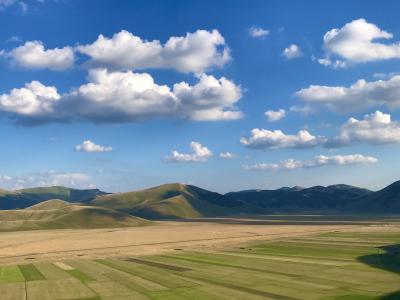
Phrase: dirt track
{"type": "Point", "coordinates": [158, 238]}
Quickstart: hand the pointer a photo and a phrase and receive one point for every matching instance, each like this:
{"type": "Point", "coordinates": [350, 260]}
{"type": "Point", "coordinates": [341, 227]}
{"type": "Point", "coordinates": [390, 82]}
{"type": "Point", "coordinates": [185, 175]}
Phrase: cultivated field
{"type": "Point", "coordinates": [203, 260]}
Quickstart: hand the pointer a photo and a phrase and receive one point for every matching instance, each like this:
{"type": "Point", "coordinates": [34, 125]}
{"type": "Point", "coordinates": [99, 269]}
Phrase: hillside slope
{"type": "Point", "coordinates": [172, 201]}
{"type": "Point", "coordinates": [58, 214]}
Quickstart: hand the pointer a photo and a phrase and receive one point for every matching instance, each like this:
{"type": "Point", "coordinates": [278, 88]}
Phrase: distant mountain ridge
{"type": "Point", "coordinates": [317, 198]}
{"type": "Point", "coordinates": [175, 200]}
{"type": "Point", "coordinates": [31, 196]}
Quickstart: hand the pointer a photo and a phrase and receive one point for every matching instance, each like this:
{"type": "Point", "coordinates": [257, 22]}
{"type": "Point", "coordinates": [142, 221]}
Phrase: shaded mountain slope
{"type": "Point", "coordinates": [172, 201]}
{"type": "Point", "coordinates": [316, 198]}
{"type": "Point", "coordinates": [57, 214]}
{"type": "Point", "coordinates": [27, 197]}
{"type": "Point", "coordinates": [385, 200]}
{"type": "Point", "coordinates": [63, 193]}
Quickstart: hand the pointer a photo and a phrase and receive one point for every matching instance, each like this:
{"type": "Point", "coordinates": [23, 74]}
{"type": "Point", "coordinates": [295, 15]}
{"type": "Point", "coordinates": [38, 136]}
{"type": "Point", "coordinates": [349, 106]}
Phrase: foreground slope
{"type": "Point", "coordinates": [172, 201]}
{"type": "Point", "coordinates": [59, 214]}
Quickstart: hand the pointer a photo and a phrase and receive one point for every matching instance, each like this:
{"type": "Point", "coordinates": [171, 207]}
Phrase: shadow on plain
{"type": "Point", "coordinates": [388, 259]}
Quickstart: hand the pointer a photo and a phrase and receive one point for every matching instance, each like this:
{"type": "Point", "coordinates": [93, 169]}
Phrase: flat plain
{"type": "Point", "coordinates": [206, 260]}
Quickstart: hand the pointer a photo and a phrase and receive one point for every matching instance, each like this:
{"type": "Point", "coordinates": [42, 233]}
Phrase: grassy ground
{"type": "Point", "coordinates": [337, 266]}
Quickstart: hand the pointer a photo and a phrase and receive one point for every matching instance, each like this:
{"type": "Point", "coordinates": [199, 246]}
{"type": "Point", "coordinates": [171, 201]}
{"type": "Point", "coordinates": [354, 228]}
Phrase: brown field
{"type": "Point", "coordinates": [148, 240]}
{"type": "Point", "coordinates": [278, 257]}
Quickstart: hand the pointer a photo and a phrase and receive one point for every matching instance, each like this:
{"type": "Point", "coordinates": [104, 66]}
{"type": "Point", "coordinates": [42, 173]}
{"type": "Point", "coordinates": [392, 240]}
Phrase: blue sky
{"type": "Point", "coordinates": [197, 78]}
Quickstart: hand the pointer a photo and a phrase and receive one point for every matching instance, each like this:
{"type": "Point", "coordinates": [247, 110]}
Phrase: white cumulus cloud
{"type": "Point", "coordinates": [293, 51]}
{"type": "Point", "coordinates": [35, 100]}
{"type": "Point", "coordinates": [359, 42]}
{"type": "Point", "coordinates": [199, 153]}
{"type": "Point", "coordinates": [376, 129]}
{"type": "Point", "coordinates": [276, 139]}
{"type": "Point", "coordinates": [360, 95]}
{"type": "Point", "coordinates": [195, 52]}
{"type": "Point", "coordinates": [33, 55]}
{"type": "Point", "coordinates": [275, 115]}
{"type": "Point", "coordinates": [317, 161]}
{"type": "Point", "coordinates": [125, 97]}
{"type": "Point", "coordinates": [89, 147]}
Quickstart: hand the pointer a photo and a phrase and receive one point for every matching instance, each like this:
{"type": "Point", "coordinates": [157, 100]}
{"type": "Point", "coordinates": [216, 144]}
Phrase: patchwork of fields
{"type": "Point", "coordinates": [339, 265]}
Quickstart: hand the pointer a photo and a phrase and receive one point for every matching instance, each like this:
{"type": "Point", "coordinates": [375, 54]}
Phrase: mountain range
{"type": "Point", "coordinates": [177, 201]}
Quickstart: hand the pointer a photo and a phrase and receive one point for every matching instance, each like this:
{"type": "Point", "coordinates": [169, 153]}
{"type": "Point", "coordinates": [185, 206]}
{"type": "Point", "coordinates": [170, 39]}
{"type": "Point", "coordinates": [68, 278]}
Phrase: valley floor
{"type": "Point", "coordinates": [204, 260]}
{"type": "Point", "coordinates": [158, 238]}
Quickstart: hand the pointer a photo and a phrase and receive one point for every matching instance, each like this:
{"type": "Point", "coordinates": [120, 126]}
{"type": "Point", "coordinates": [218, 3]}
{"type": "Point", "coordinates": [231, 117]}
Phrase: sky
{"type": "Point", "coordinates": [225, 95]}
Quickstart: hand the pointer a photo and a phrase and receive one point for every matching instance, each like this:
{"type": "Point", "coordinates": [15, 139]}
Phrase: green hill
{"type": "Point", "coordinates": [171, 201]}
{"type": "Point", "coordinates": [49, 205]}
{"type": "Point", "coordinates": [58, 214]}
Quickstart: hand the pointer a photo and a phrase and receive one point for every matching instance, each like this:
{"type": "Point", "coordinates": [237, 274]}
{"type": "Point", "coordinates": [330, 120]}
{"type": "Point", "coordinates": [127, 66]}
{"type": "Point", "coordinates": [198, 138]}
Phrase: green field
{"type": "Point", "coordinates": [336, 265]}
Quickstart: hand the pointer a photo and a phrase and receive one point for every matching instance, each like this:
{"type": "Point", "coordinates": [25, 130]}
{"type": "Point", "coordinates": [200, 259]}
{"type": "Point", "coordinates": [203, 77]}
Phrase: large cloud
{"type": "Point", "coordinates": [199, 153]}
{"type": "Point", "coordinates": [357, 42]}
{"type": "Point", "coordinates": [276, 139]}
{"type": "Point", "coordinates": [376, 128]}
{"type": "Point", "coordinates": [33, 55]}
{"type": "Point", "coordinates": [34, 101]}
{"type": "Point", "coordinates": [318, 161]}
{"type": "Point", "coordinates": [125, 97]}
{"type": "Point", "coordinates": [361, 94]}
{"type": "Point", "coordinates": [196, 52]}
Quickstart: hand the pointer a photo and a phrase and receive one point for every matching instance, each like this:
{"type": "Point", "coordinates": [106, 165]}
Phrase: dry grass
{"type": "Point", "coordinates": [148, 240]}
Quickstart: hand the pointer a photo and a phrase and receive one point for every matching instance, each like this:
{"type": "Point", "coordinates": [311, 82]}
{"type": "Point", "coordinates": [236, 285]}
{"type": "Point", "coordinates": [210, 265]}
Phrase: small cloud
{"type": "Point", "coordinates": [258, 32]}
{"type": "Point", "coordinates": [293, 51]}
{"type": "Point", "coordinates": [337, 64]}
{"type": "Point", "coordinates": [316, 162]}
{"type": "Point", "coordinates": [274, 116]}
{"type": "Point", "coordinates": [14, 39]}
{"type": "Point", "coordinates": [306, 110]}
{"type": "Point", "coordinates": [199, 153]}
{"type": "Point", "coordinates": [227, 155]}
{"type": "Point", "coordinates": [385, 75]}
{"type": "Point", "coordinates": [90, 147]}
